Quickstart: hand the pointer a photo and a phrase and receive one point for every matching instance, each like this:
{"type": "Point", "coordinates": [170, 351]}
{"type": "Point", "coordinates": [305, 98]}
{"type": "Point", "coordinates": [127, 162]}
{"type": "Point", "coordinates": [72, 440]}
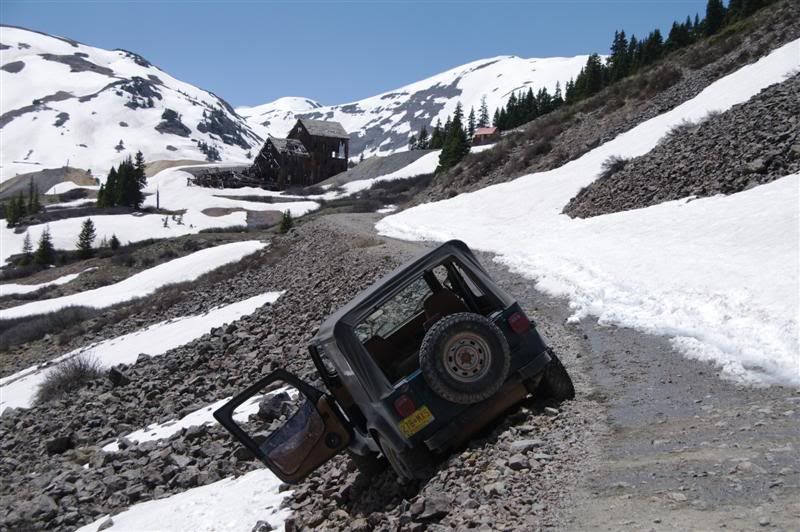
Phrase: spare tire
{"type": "Point", "coordinates": [464, 358]}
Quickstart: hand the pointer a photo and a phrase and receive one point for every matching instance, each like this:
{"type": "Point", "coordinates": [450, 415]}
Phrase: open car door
{"type": "Point", "coordinates": [289, 425]}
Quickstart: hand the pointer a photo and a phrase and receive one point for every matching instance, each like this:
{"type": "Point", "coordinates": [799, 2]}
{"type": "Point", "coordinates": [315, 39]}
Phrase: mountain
{"type": "Point", "coordinates": [382, 124]}
{"type": "Point", "coordinates": [67, 103]}
{"type": "Point", "coordinates": [63, 101]}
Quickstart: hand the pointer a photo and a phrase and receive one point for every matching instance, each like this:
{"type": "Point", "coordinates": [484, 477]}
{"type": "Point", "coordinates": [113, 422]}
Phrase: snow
{"type": "Point", "coordinates": [144, 283]}
{"type": "Point", "coordinates": [718, 275]}
{"type": "Point", "coordinates": [19, 389]}
{"type": "Point", "coordinates": [231, 504]}
{"type": "Point", "coordinates": [174, 192]}
{"type": "Point", "coordinates": [493, 78]}
{"type": "Point", "coordinates": [127, 228]}
{"type": "Point", "coordinates": [202, 416]}
{"type": "Point", "coordinates": [88, 138]}
{"type": "Point", "coordinates": [12, 288]}
{"type": "Point", "coordinates": [65, 186]}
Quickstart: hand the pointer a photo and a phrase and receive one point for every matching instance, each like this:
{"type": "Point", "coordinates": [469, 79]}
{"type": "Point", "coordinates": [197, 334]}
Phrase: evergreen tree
{"type": "Point", "coordinates": [471, 123]}
{"type": "Point", "coordinates": [101, 196]}
{"type": "Point", "coordinates": [617, 62]}
{"type": "Point", "coordinates": [33, 198]}
{"type": "Point", "coordinates": [114, 242]}
{"type": "Point", "coordinates": [422, 140]}
{"type": "Point", "coordinates": [111, 192]}
{"type": "Point", "coordinates": [412, 142]}
{"type": "Point", "coordinates": [45, 253]}
{"type": "Point", "coordinates": [715, 16]}
{"type": "Point", "coordinates": [86, 239]}
{"type": "Point", "coordinates": [455, 145]}
{"type": "Point", "coordinates": [27, 250]}
{"type": "Point", "coordinates": [558, 99]}
{"type": "Point", "coordinates": [437, 136]}
{"type": "Point", "coordinates": [496, 119]}
{"type": "Point", "coordinates": [483, 114]}
{"type": "Point", "coordinates": [287, 222]}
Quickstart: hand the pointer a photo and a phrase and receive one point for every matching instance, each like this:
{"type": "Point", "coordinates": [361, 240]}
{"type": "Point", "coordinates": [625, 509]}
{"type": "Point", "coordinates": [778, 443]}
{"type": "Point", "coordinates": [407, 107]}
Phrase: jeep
{"type": "Point", "coordinates": [413, 367]}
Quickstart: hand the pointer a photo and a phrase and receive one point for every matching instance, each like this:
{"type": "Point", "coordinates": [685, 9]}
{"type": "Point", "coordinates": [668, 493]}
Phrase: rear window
{"type": "Point", "coordinates": [396, 312]}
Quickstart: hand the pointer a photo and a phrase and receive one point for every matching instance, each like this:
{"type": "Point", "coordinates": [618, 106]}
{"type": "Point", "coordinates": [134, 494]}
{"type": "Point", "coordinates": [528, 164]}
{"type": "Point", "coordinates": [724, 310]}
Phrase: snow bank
{"type": "Point", "coordinates": [144, 283]}
{"type": "Point", "coordinates": [18, 390]}
{"type": "Point", "coordinates": [201, 416]}
{"type": "Point", "coordinates": [719, 275]}
{"type": "Point", "coordinates": [65, 186]}
{"type": "Point", "coordinates": [175, 192]}
{"type": "Point", "coordinates": [127, 228]}
{"type": "Point", "coordinates": [12, 288]}
{"type": "Point", "coordinates": [231, 504]}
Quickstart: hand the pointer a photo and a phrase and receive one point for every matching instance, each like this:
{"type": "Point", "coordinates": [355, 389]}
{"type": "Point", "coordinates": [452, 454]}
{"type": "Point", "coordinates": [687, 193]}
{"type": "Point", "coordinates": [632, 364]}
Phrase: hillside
{"type": "Point", "coordinates": [67, 103]}
{"type": "Point", "coordinates": [383, 123]}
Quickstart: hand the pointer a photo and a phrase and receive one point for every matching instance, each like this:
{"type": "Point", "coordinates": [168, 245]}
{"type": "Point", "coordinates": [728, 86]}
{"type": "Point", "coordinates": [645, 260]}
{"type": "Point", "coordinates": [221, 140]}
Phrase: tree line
{"type": "Point", "coordinates": [46, 254]}
{"type": "Point", "coordinates": [628, 56]}
{"type": "Point", "coordinates": [18, 206]}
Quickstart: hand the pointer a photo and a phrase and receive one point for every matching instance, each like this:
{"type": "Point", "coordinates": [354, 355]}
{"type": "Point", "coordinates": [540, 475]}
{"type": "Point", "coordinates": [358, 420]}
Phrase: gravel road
{"type": "Point", "coordinates": [653, 441]}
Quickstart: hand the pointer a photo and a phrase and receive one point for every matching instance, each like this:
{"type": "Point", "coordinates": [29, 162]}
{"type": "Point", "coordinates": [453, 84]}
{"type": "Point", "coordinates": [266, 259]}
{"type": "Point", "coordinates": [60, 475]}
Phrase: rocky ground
{"type": "Point", "coordinates": [552, 140]}
{"type": "Point", "coordinates": [659, 438]}
{"type": "Point", "coordinates": [750, 144]}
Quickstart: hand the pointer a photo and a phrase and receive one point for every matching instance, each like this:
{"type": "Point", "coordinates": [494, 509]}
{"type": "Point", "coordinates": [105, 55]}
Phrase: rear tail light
{"type": "Point", "coordinates": [519, 322]}
{"type": "Point", "coordinates": [404, 406]}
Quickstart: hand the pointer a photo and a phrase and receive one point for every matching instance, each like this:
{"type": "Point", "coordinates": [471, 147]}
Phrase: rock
{"type": "Point", "coordinates": [436, 507]}
{"type": "Point", "coordinates": [756, 166]}
{"type": "Point", "coordinates": [195, 431]}
{"type": "Point", "coordinates": [273, 406]}
{"type": "Point", "coordinates": [523, 446]}
{"type": "Point", "coordinates": [550, 411]}
{"type": "Point", "coordinates": [518, 462]}
{"type": "Point", "coordinates": [764, 521]}
{"type": "Point", "coordinates": [118, 378]}
{"type": "Point", "coordinates": [59, 444]}
{"type": "Point", "coordinates": [262, 526]}
{"type": "Point", "coordinates": [108, 523]}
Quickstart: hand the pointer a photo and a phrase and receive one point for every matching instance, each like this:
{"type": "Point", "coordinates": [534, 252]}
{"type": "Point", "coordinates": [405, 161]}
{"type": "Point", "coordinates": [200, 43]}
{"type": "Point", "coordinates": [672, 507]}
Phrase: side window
{"type": "Point", "coordinates": [477, 292]}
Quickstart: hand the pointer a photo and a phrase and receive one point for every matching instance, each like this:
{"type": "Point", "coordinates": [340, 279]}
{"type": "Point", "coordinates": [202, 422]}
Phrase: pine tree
{"type": "Point", "coordinates": [437, 136]}
{"type": "Point", "coordinates": [287, 222]}
{"type": "Point", "coordinates": [715, 16]}
{"type": "Point", "coordinates": [617, 62]}
{"type": "Point", "coordinates": [455, 145]}
{"type": "Point", "coordinates": [422, 140]}
{"type": "Point", "coordinates": [27, 250]}
{"type": "Point", "coordinates": [412, 142]}
{"type": "Point", "coordinates": [33, 198]}
{"type": "Point", "coordinates": [101, 196]}
{"type": "Point", "coordinates": [111, 191]}
{"type": "Point", "coordinates": [141, 180]}
{"type": "Point", "coordinates": [471, 123]}
{"type": "Point", "coordinates": [114, 242]}
{"type": "Point", "coordinates": [86, 239]}
{"type": "Point", "coordinates": [45, 253]}
{"type": "Point", "coordinates": [483, 114]}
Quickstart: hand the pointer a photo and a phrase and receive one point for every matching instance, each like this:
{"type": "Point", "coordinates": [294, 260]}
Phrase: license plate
{"type": "Point", "coordinates": [417, 421]}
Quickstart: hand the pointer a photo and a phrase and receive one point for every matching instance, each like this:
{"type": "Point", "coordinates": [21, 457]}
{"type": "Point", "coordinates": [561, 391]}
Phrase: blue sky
{"type": "Point", "coordinates": [251, 52]}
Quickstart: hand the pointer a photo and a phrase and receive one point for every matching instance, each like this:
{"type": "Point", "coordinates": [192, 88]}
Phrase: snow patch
{"type": "Point", "coordinates": [144, 283]}
{"type": "Point", "coordinates": [19, 389]}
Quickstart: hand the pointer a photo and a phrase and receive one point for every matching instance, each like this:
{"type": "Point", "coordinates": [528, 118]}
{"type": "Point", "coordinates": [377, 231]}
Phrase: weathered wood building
{"type": "Point", "coordinates": [313, 151]}
{"type": "Point", "coordinates": [282, 163]}
{"type": "Point", "coordinates": [485, 135]}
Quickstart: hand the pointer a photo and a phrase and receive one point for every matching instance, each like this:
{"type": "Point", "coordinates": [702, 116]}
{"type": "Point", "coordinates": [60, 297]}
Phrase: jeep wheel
{"type": "Point", "coordinates": [556, 382]}
{"type": "Point", "coordinates": [464, 358]}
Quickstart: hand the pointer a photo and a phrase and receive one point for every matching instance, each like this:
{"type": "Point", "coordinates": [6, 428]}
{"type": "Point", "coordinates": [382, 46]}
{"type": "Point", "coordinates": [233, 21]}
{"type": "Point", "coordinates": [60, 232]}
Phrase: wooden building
{"type": "Point", "coordinates": [282, 163]}
{"type": "Point", "coordinates": [485, 135]}
{"type": "Point", "coordinates": [313, 151]}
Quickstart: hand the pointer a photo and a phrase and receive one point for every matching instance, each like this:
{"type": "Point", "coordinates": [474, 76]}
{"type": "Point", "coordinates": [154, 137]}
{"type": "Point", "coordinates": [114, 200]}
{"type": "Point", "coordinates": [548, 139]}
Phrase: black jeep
{"type": "Point", "coordinates": [414, 365]}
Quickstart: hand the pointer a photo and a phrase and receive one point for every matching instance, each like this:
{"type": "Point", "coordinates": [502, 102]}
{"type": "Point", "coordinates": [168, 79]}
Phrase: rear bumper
{"type": "Point", "coordinates": [474, 418]}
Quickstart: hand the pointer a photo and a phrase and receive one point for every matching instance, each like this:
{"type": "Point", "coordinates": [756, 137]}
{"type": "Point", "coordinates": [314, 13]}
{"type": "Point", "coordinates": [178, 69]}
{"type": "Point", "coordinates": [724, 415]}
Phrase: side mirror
{"type": "Point", "coordinates": [289, 425]}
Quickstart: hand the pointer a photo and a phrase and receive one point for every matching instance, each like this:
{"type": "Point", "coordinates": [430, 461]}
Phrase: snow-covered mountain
{"type": "Point", "coordinates": [383, 123]}
{"type": "Point", "coordinates": [64, 101]}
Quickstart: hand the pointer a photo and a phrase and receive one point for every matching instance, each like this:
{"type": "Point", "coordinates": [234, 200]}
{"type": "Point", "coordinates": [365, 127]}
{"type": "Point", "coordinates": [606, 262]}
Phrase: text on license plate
{"type": "Point", "coordinates": [417, 421]}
